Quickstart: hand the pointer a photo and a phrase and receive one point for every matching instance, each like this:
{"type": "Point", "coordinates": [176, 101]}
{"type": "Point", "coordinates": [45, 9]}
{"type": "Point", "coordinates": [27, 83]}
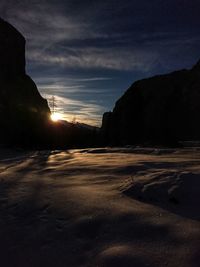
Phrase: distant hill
{"type": "Point", "coordinates": [64, 134]}
{"type": "Point", "coordinates": [164, 109]}
{"type": "Point", "coordinates": [79, 125]}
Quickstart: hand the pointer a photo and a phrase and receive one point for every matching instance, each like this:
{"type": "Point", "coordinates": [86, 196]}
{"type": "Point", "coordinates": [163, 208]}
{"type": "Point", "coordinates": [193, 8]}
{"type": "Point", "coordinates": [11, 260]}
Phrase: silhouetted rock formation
{"type": "Point", "coordinates": [160, 110]}
{"type": "Point", "coordinates": [23, 112]}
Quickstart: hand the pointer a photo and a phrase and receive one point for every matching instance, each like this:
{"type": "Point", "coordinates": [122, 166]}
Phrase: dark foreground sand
{"type": "Point", "coordinates": [100, 207]}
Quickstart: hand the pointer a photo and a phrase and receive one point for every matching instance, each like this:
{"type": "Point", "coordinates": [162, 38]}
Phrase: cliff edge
{"type": "Point", "coordinates": [164, 109]}
{"type": "Point", "coordinates": [23, 112]}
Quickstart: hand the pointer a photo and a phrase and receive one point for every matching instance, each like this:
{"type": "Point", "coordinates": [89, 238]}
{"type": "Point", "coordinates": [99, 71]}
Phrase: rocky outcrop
{"type": "Point", "coordinates": [23, 112]}
{"type": "Point", "coordinates": [163, 109]}
{"type": "Point", "coordinates": [12, 51]}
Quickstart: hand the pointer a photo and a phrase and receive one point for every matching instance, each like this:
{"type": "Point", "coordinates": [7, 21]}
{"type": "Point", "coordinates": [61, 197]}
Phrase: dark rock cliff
{"type": "Point", "coordinates": [163, 109]}
{"type": "Point", "coordinates": [23, 112]}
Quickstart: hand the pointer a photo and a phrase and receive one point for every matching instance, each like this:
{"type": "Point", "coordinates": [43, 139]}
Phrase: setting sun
{"type": "Point", "coordinates": [56, 117]}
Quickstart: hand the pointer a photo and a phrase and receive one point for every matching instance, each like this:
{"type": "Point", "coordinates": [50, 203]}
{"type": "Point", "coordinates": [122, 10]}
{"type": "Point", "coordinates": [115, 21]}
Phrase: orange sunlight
{"type": "Point", "coordinates": [56, 116]}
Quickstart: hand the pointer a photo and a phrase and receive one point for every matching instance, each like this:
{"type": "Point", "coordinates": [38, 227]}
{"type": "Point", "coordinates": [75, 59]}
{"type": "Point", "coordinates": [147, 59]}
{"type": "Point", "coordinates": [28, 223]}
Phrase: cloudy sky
{"type": "Point", "coordinates": [88, 52]}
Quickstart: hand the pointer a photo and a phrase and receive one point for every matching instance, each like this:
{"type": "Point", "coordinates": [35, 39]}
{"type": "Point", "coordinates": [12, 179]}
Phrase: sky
{"type": "Point", "coordinates": [87, 53]}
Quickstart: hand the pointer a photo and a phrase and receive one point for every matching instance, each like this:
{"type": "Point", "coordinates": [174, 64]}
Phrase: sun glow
{"type": "Point", "coordinates": [56, 116]}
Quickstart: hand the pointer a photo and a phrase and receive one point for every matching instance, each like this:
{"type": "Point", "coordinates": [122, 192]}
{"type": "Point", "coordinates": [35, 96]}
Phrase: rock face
{"type": "Point", "coordinates": [23, 112]}
{"type": "Point", "coordinates": [160, 110]}
{"type": "Point", "coordinates": [12, 51]}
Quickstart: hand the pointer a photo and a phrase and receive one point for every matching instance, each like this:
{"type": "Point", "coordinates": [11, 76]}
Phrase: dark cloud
{"type": "Point", "coordinates": [109, 44]}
